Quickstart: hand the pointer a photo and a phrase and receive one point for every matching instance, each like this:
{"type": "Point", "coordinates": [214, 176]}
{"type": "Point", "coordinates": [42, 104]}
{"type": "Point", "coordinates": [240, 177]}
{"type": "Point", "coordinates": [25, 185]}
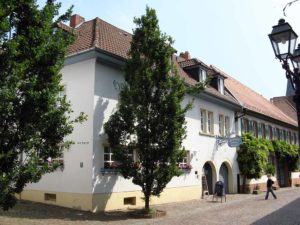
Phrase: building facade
{"type": "Point", "coordinates": [92, 76]}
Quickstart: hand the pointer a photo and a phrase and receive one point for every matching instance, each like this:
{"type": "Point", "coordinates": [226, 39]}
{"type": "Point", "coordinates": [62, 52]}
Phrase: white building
{"type": "Point", "coordinates": [92, 75]}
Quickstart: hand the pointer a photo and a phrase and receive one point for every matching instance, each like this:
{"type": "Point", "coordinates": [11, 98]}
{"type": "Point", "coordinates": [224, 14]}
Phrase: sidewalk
{"type": "Point", "coordinates": [190, 212]}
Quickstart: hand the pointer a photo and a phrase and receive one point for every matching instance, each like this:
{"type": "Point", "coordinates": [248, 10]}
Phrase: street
{"type": "Point", "coordinates": [238, 209]}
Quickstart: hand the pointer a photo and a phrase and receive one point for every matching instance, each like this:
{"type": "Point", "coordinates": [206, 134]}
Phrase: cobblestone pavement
{"type": "Point", "coordinates": [238, 209]}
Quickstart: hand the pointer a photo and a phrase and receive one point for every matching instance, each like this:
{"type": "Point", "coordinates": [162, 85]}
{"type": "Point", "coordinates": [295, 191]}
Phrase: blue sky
{"type": "Point", "coordinates": [230, 34]}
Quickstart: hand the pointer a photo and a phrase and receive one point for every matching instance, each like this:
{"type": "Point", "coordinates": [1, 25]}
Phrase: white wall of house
{"type": "Point", "coordinates": [92, 87]}
{"type": "Point", "coordinates": [76, 177]}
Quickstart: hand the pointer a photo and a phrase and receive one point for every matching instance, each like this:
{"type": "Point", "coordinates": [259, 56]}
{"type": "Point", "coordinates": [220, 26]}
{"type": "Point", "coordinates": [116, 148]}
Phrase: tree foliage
{"type": "Point", "coordinates": [252, 156]}
{"type": "Point", "coordinates": [150, 119]}
{"type": "Point", "coordinates": [34, 119]}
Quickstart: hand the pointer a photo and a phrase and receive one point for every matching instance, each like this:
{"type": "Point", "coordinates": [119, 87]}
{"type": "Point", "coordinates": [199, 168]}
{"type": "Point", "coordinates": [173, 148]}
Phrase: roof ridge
{"type": "Point", "coordinates": [95, 32]}
{"type": "Point", "coordinates": [101, 20]}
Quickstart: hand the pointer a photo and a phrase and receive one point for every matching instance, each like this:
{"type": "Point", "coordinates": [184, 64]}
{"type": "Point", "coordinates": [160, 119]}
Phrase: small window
{"type": "Point", "coordinates": [221, 125]}
{"type": "Point", "coordinates": [290, 137]}
{"type": "Point", "coordinates": [254, 128]}
{"type": "Point", "coordinates": [263, 130]}
{"type": "Point", "coordinates": [109, 159]}
{"type": "Point", "coordinates": [221, 85]}
{"type": "Point", "coordinates": [130, 201]}
{"type": "Point", "coordinates": [184, 163]}
{"type": "Point", "coordinates": [270, 132]}
{"type": "Point", "coordinates": [210, 122]}
{"type": "Point", "coordinates": [284, 135]}
{"type": "Point", "coordinates": [50, 197]}
{"type": "Point", "coordinates": [227, 125]}
{"type": "Point", "coordinates": [203, 120]}
{"type": "Point", "coordinates": [245, 125]}
{"type": "Point", "coordinates": [202, 75]}
{"type": "Point", "coordinates": [206, 120]}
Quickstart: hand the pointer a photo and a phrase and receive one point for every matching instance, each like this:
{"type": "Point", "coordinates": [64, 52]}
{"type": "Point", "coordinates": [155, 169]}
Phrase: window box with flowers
{"type": "Point", "coordinates": [110, 167]}
{"type": "Point", "coordinates": [184, 163]}
{"type": "Point", "coordinates": [185, 167]}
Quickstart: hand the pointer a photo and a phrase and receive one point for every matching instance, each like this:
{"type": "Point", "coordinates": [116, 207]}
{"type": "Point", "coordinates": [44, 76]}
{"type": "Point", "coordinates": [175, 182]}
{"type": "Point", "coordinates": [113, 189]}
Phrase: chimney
{"type": "Point", "coordinates": [186, 55]}
{"type": "Point", "coordinates": [76, 20]}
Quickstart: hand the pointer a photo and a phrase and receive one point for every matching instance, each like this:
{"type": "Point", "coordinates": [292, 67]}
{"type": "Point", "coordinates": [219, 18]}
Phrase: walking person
{"type": "Point", "coordinates": [270, 183]}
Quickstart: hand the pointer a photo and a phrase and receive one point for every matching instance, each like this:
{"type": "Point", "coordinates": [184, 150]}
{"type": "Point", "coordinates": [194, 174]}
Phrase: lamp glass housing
{"type": "Point", "coordinates": [283, 40]}
{"type": "Point", "coordinates": [296, 56]}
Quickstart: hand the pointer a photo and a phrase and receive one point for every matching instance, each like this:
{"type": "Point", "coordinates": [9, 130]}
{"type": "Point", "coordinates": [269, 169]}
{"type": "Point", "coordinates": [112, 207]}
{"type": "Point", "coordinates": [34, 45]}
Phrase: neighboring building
{"type": "Point", "coordinates": [264, 120]}
{"type": "Point", "coordinates": [92, 76]}
{"type": "Point", "coordinates": [286, 104]}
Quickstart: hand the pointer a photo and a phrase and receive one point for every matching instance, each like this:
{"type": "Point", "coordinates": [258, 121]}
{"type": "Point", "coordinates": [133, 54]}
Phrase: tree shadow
{"type": "Point", "coordinates": [289, 214]}
{"type": "Point", "coordinates": [40, 211]}
{"type": "Point", "coordinates": [103, 183]}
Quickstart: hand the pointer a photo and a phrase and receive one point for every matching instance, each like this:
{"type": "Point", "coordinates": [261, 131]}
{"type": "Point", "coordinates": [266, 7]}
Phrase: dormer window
{"type": "Point", "coordinates": [202, 75]}
{"type": "Point", "coordinates": [221, 85]}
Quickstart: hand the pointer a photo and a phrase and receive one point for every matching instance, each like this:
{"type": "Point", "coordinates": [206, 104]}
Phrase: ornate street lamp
{"type": "Point", "coordinates": [283, 40]}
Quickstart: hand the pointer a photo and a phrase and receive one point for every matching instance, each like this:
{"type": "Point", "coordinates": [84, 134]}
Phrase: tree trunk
{"type": "Point", "coordinates": [244, 184]}
{"type": "Point", "coordinates": [147, 201]}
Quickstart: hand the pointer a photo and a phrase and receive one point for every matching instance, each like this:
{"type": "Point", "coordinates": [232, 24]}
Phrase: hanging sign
{"type": "Point", "coordinates": [234, 142]}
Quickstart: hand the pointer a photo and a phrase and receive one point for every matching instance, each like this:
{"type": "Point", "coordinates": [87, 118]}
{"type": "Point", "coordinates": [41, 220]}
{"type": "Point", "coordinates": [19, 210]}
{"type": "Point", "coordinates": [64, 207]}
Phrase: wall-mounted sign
{"type": "Point", "coordinates": [82, 142]}
{"type": "Point", "coordinates": [234, 141]}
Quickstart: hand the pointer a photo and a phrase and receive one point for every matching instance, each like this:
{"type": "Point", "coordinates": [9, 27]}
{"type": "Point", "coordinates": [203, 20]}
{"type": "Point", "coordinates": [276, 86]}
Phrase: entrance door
{"type": "Point", "coordinates": [223, 175]}
{"type": "Point", "coordinates": [208, 174]}
{"type": "Point", "coordinates": [281, 174]}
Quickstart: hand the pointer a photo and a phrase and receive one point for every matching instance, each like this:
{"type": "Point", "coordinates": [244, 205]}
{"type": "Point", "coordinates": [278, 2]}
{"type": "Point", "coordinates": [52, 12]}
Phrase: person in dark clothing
{"type": "Point", "coordinates": [270, 183]}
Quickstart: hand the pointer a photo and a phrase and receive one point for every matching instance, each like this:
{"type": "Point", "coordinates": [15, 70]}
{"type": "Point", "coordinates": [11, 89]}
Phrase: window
{"type": "Point", "coordinates": [290, 137]}
{"type": "Point", "coordinates": [221, 125]}
{"type": "Point", "coordinates": [202, 75]}
{"type": "Point", "coordinates": [284, 135]}
{"type": "Point", "coordinates": [224, 127]}
{"type": "Point", "coordinates": [227, 125]}
{"type": "Point", "coordinates": [279, 132]}
{"type": "Point", "coordinates": [206, 120]}
{"type": "Point", "coordinates": [276, 133]}
{"type": "Point", "coordinates": [295, 138]}
{"type": "Point", "coordinates": [263, 130]}
{"type": "Point", "coordinates": [203, 120]}
{"type": "Point", "coordinates": [245, 125]}
{"type": "Point", "coordinates": [109, 159]}
{"type": "Point", "coordinates": [270, 132]}
{"type": "Point", "coordinates": [221, 85]}
{"type": "Point", "coordinates": [185, 162]}
{"type": "Point", "coordinates": [254, 128]}
{"type": "Point", "coordinates": [210, 122]}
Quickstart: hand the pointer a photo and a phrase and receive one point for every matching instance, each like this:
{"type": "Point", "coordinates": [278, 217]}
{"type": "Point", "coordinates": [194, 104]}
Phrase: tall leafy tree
{"type": "Point", "coordinates": [252, 157]}
{"type": "Point", "coordinates": [34, 118]}
{"type": "Point", "coordinates": [150, 118]}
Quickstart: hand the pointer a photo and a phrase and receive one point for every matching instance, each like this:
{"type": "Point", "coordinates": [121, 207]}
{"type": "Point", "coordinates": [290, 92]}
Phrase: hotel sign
{"type": "Point", "coordinates": [234, 142]}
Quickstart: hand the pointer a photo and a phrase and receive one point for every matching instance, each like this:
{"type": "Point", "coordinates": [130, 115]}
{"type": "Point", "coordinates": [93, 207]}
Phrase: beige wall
{"type": "Point", "coordinates": [110, 201]}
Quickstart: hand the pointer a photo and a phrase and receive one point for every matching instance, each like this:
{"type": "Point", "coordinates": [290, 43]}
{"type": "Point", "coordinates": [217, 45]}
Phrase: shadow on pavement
{"type": "Point", "coordinates": [287, 215]}
{"type": "Point", "coordinates": [39, 211]}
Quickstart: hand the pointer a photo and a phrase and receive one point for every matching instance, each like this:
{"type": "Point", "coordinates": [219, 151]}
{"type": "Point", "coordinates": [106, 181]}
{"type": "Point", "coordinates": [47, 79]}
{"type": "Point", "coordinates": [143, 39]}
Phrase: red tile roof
{"type": "Point", "coordinates": [98, 34]}
{"type": "Point", "coordinates": [191, 62]}
{"type": "Point", "coordinates": [254, 101]}
{"type": "Point", "coordinates": [101, 35]}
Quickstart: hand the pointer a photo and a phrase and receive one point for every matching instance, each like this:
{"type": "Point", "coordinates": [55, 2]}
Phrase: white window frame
{"type": "Point", "coordinates": [227, 125]}
{"type": "Point", "coordinates": [221, 125]}
{"type": "Point", "coordinates": [203, 120]}
{"type": "Point", "coordinates": [221, 85]}
{"type": "Point", "coordinates": [206, 122]}
{"type": "Point", "coordinates": [210, 122]}
{"type": "Point", "coordinates": [202, 75]}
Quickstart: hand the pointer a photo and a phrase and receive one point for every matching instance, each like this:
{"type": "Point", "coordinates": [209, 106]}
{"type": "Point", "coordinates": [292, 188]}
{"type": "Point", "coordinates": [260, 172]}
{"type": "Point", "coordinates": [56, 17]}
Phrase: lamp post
{"type": "Point", "coordinates": [283, 40]}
